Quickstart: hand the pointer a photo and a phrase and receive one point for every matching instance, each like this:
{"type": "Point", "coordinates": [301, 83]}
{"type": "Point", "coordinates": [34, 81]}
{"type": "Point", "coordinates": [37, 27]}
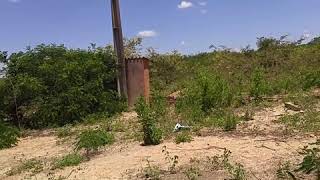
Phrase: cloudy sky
{"type": "Point", "coordinates": [189, 26]}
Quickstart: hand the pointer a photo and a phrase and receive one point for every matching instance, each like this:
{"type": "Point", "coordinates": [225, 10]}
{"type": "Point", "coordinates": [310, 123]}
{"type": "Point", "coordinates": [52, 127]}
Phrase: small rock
{"type": "Point", "coordinates": [291, 106]}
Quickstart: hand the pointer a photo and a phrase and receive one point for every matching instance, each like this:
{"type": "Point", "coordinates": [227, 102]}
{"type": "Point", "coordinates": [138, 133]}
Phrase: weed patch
{"type": "Point", "coordinates": [92, 140]}
{"type": "Point", "coordinates": [193, 173]}
{"type": "Point", "coordinates": [171, 160]}
{"type": "Point", "coordinates": [285, 171]}
{"type": "Point", "coordinates": [152, 172]}
{"type": "Point", "coordinates": [64, 132]}
{"type": "Point", "coordinates": [183, 137]}
{"type": "Point", "coordinates": [306, 122]}
{"type": "Point", "coordinates": [206, 93]}
{"type": "Point", "coordinates": [311, 160]}
{"type": "Point", "coordinates": [33, 165]}
{"type": "Point", "coordinates": [236, 171]}
{"type": "Point", "coordinates": [73, 159]}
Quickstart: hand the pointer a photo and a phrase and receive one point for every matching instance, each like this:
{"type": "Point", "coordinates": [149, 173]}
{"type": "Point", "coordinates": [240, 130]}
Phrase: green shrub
{"type": "Point", "coordinates": [311, 160]}
{"type": "Point", "coordinates": [147, 117]}
{"type": "Point", "coordinates": [8, 136]}
{"type": "Point", "coordinates": [206, 93]}
{"type": "Point", "coordinates": [183, 137]}
{"type": "Point", "coordinates": [312, 79]}
{"type": "Point", "coordinates": [259, 86]}
{"type": "Point", "coordinates": [158, 104]}
{"type": "Point", "coordinates": [165, 70]}
{"type": "Point", "coordinates": [73, 159]}
{"type": "Point", "coordinates": [230, 122]}
{"type": "Point", "coordinates": [52, 85]}
{"type": "Point", "coordinates": [224, 119]}
{"type": "Point", "coordinates": [92, 140]}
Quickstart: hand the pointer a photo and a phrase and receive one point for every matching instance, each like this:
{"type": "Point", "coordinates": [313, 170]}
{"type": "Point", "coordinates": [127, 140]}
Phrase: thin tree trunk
{"type": "Point", "coordinates": [15, 103]}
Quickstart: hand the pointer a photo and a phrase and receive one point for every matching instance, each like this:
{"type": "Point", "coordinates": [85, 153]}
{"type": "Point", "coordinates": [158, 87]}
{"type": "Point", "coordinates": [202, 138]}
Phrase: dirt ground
{"type": "Point", "coordinates": [260, 145]}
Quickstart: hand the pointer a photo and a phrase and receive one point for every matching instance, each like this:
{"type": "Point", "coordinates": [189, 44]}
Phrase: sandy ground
{"type": "Point", "coordinates": [259, 145]}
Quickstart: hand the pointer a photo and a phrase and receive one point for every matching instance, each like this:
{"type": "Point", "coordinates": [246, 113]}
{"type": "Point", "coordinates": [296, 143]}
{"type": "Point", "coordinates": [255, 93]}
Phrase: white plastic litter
{"type": "Point", "coordinates": [180, 127]}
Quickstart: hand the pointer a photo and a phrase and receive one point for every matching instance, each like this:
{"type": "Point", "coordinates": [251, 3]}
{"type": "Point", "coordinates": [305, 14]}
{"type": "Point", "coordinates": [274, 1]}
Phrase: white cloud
{"type": "Point", "coordinates": [185, 4]}
{"type": "Point", "coordinates": [14, 1]}
{"type": "Point", "coordinates": [183, 43]}
{"type": "Point", "coordinates": [204, 11]}
{"type": "Point", "coordinates": [202, 3]}
{"type": "Point", "coordinates": [147, 33]}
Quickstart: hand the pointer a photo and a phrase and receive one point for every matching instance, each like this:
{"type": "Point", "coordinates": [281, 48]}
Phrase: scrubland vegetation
{"type": "Point", "coordinates": [74, 92]}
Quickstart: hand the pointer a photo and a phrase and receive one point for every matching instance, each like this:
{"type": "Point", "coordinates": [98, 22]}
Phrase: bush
{"type": "Point", "coordinates": [183, 137]}
{"type": "Point", "coordinates": [224, 119]}
{"type": "Point", "coordinates": [8, 136]}
{"type": "Point", "coordinates": [259, 86]}
{"type": "Point", "coordinates": [73, 159]}
{"type": "Point", "coordinates": [230, 122]}
{"type": "Point", "coordinates": [312, 79]}
{"type": "Point", "coordinates": [206, 93]}
{"type": "Point", "coordinates": [51, 85]}
{"type": "Point", "coordinates": [147, 117]}
{"type": "Point", "coordinates": [92, 140]}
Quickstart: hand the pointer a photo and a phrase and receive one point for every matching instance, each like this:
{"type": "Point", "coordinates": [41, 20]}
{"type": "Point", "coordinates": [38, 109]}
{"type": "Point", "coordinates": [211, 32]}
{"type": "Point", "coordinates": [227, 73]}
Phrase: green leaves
{"type": "Point", "coordinates": [51, 85]}
{"type": "Point", "coordinates": [92, 140]}
{"type": "Point", "coordinates": [311, 159]}
{"type": "Point", "coordinates": [8, 136]}
{"type": "Point", "coordinates": [72, 159]}
{"type": "Point", "coordinates": [312, 79]}
{"type": "Point", "coordinates": [207, 92]}
{"type": "Point", "coordinates": [148, 119]}
{"type": "Point", "coordinates": [259, 85]}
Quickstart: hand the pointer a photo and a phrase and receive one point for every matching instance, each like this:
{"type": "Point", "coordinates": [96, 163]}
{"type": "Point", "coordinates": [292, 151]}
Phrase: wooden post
{"type": "Point", "coordinates": [119, 48]}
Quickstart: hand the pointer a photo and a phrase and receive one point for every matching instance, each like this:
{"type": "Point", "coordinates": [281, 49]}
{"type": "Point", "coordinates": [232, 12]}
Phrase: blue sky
{"type": "Point", "coordinates": [189, 26]}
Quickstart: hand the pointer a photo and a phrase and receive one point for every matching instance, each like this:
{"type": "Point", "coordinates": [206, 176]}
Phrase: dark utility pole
{"type": "Point", "coordinates": [119, 48]}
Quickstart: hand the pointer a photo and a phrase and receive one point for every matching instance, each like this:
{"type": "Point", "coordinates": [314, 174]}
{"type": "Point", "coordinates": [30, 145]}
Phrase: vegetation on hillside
{"type": "Point", "coordinates": [52, 86]}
